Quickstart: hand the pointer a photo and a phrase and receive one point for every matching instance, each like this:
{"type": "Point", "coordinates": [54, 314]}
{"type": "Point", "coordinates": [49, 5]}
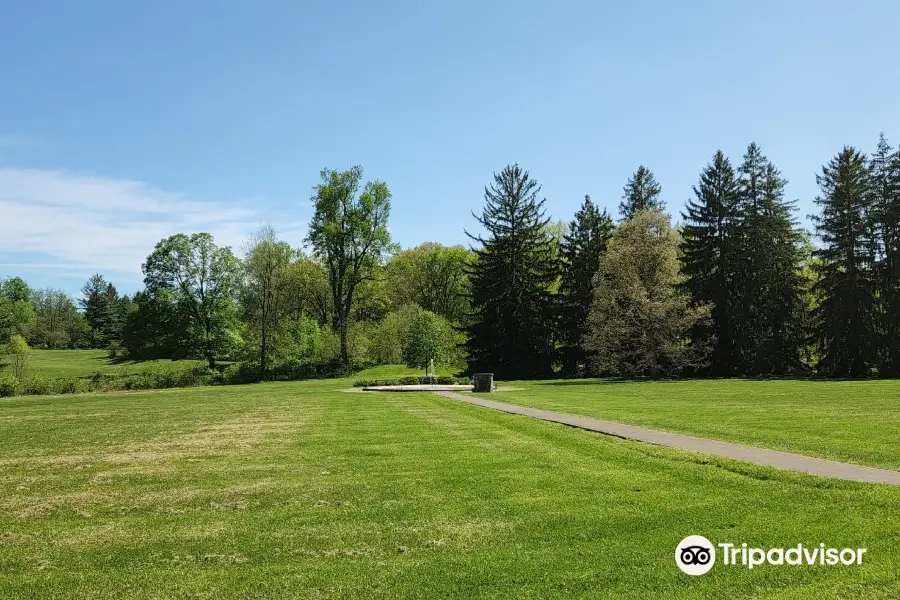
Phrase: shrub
{"type": "Point", "coordinates": [37, 386]}
{"type": "Point", "coordinates": [9, 386]}
{"type": "Point", "coordinates": [444, 380]}
{"type": "Point", "coordinates": [115, 349]}
{"type": "Point", "coordinates": [70, 385]}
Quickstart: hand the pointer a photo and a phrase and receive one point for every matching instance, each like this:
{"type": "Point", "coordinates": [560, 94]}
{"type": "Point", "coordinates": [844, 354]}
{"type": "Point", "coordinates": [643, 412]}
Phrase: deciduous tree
{"type": "Point", "coordinates": [202, 279]}
{"type": "Point", "coordinates": [641, 320]}
{"type": "Point", "coordinates": [349, 233]}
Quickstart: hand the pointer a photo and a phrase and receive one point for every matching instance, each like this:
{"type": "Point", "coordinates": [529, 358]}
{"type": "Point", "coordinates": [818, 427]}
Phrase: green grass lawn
{"type": "Point", "coordinates": [851, 421]}
{"type": "Point", "coordinates": [77, 363]}
{"type": "Point", "coordinates": [299, 490]}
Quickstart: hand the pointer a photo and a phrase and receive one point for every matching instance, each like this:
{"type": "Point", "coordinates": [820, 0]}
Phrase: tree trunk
{"type": "Point", "coordinates": [345, 351]}
{"type": "Point", "coordinates": [262, 356]}
{"type": "Point", "coordinates": [211, 360]}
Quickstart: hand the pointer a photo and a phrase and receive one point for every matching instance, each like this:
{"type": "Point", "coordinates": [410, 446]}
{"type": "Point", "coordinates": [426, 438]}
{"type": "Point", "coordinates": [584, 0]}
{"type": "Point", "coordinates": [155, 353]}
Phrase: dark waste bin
{"type": "Point", "coordinates": [483, 382]}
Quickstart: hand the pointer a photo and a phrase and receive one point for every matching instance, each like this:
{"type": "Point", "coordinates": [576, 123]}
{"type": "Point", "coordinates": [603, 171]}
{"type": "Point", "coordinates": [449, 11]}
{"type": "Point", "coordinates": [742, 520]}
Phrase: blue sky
{"type": "Point", "coordinates": [124, 122]}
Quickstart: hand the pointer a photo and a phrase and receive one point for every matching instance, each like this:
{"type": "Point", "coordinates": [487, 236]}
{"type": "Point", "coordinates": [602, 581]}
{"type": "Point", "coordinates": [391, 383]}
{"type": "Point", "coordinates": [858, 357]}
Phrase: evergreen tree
{"type": "Point", "coordinates": [641, 193]}
{"type": "Point", "coordinates": [846, 321]}
{"type": "Point", "coordinates": [885, 209]}
{"type": "Point", "coordinates": [511, 331]}
{"type": "Point", "coordinates": [581, 249]}
{"type": "Point", "coordinates": [768, 289]}
{"type": "Point", "coordinates": [707, 259]}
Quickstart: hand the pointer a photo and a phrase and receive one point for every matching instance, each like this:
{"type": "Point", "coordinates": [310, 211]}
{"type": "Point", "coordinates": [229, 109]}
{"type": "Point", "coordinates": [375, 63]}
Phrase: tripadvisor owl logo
{"type": "Point", "coordinates": [695, 555]}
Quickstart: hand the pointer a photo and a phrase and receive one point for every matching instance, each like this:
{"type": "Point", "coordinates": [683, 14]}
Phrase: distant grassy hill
{"type": "Point", "coordinates": [75, 363]}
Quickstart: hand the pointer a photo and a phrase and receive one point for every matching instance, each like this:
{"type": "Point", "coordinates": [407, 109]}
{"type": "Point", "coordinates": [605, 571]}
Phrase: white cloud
{"type": "Point", "coordinates": [74, 222]}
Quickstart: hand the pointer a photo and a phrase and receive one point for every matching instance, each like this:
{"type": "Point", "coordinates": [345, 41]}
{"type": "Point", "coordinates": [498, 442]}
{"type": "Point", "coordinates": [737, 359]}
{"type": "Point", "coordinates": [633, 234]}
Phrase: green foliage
{"type": "Point", "coordinates": [441, 380]}
{"type": "Point", "coordinates": [58, 324]}
{"type": "Point", "coordinates": [512, 325]}
{"type": "Point", "coordinates": [641, 193]}
{"type": "Point", "coordinates": [709, 259]}
{"type": "Point", "coordinates": [885, 212]}
{"type": "Point", "coordinates": [265, 288]}
{"type": "Point", "coordinates": [432, 276]}
{"type": "Point", "coordinates": [430, 338]}
{"type": "Point", "coordinates": [582, 247]}
{"type": "Point", "coordinates": [390, 337]}
{"type": "Point", "coordinates": [18, 352]}
{"type": "Point", "coordinates": [16, 310]}
{"type": "Point", "coordinates": [9, 386]}
{"type": "Point", "coordinates": [768, 288]}
{"type": "Point", "coordinates": [104, 311]}
{"type": "Point", "coordinates": [640, 321]}
{"type": "Point", "coordinates": [349, 233]}
{"type": "Point", "coordinates": [847, 320]}
{"type": "Point", "coordinates": [202, 279]}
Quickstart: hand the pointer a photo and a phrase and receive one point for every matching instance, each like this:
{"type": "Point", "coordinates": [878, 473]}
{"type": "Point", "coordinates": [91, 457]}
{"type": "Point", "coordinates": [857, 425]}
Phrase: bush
{"type": "Point", "coordinates": [116, 350]}
{"type": "Point", "coordinates": [9, 386]}
{"type": "Point", "coordinates": [37, 386]}
{"type": "Point", "coordinates": [444, 380]}
{"type": "Point", "coordinates": [70, 385]}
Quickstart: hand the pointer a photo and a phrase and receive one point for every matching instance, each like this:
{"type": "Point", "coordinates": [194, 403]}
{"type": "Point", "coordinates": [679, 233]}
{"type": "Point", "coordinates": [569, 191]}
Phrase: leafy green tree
{"type": "Point", "coordinates": [885, 211]}
{"type": "Point", "coordinates": [58, 324]}
{"type": "Point", "coordinates": [642, 192]}
{"type": "Point", "coordinates": [19, 353]}
{"type": "Point", "coordinates": [432, 276]}
{"type": "Point", "coordinates": [582, 246]}
{"type": "Point", "coordinates": [157, 327]}
{"type": "Point", "coordinates": [708, 255]}
{"type": "Point", "coordinates": [512, 326]}
{"type": "Point", "coordinates": [16, 310]}
{"type": "Point", "coordinates": [846, 319]}
{"type": "Point", "coordinates": [265, 287]}
{"type": "Point", "coordinates": [202, 279]}
{"type": "Point", "coordinates": [349, 233]}
{"type": "Point", "coordinates": [392, 334]}
{"type": "Point", "coordinates": [430, 338]}
{"type": "Point", "coordinates": [309, 293]}
{"type": "Point", "coordinates": [641, 320]}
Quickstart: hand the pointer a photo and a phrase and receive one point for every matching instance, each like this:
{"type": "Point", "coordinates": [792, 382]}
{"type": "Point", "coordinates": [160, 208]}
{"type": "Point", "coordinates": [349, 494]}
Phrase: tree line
{"type": "Point", "coordinates": [737, 288]}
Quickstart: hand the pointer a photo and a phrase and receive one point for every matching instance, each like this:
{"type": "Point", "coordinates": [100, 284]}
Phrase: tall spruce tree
{"type": "Point", "coordinates": [582, 246]}
{"type": "Point", "coordinates": [768, 289]}
{"type": "Point", "coordinates": [641, 193]}
{"type": "Point", "coordinates": [512, 327]}
{"type": "Point", "coordinates": [708, 252]}
{"type": "Point", "coordinates": [885, 210]}
{"type": "Point", "coordinates": [846, 319]}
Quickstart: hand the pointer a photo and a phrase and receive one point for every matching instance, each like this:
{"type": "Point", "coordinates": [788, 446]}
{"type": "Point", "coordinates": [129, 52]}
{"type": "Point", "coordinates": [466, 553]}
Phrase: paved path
{"type": "Point", "coordinates": [760, 456]}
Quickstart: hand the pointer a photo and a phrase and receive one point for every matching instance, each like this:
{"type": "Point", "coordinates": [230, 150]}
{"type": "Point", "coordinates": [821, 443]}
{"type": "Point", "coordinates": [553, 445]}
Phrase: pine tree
{"type": "Point", "coordinates": [885, 209]}
{"type": "Point", "coordinates": [641, 193]}
{"type": "Point", "coordinates": [512, 328]}
{"type": "Point", "coordinates": [707, 258]}
{"type": "Point", "coordinates": [846, 320]}
{"type": "Point", "coordinates": [582, 247]}
{"type": "Point", "coordinates": [767, 289]}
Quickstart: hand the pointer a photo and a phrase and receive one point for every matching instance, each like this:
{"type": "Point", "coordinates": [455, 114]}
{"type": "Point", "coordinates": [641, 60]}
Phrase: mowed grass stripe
{"type": "Point", "coordinates": [311, 492]}
{"type": "Point", "coordinates": [847, 421]}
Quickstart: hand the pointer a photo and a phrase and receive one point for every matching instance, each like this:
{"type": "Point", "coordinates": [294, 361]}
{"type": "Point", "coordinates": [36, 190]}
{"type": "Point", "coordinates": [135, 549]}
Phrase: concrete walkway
{"type": "Point", "coordinates": [760, 456]}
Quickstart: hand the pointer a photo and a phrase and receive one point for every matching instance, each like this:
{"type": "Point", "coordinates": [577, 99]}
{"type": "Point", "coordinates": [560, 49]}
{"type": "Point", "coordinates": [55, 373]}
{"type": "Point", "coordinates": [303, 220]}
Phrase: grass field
{"type": "Point", "coordinates": [299, 490]}
{"type": "Point", "coordinates": [78, 363]}
{"type": "Point", "coordinates": [850, 421]}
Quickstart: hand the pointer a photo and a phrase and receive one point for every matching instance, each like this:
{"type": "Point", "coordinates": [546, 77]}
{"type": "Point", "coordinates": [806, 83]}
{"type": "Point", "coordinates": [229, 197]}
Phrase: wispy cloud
{"type": "Point", "coordinates": [75, 222]}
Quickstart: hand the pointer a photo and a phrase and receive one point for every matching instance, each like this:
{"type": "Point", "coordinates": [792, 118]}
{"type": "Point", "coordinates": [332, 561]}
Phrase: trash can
{"type": "Point", "coordinates": [483, 382]}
